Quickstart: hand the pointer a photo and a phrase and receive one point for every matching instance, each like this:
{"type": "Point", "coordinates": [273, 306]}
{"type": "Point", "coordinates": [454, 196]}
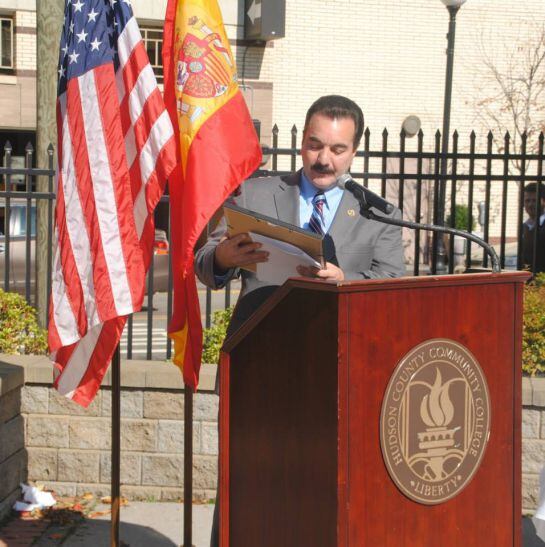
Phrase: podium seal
{"type": "Point", "coordinates": [435, 421]}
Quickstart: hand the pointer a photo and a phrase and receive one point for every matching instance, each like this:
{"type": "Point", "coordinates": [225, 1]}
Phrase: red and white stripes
{"type": "Point", "coordinates": [116, 147]}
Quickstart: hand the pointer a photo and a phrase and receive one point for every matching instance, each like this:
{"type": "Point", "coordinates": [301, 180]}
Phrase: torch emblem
{"type": "Point", "coordinates": [435, 421]}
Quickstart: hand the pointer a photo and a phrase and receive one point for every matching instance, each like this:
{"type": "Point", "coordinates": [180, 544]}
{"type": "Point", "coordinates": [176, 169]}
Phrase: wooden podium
{"type": "Point", "coordinates": [302, 389]}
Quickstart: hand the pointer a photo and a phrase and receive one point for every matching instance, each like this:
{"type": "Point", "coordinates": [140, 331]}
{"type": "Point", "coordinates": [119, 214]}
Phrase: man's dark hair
{"type": "Point", "coordinates": [335, 107]}
{"type": "Point", "coordinates": [532, 188]}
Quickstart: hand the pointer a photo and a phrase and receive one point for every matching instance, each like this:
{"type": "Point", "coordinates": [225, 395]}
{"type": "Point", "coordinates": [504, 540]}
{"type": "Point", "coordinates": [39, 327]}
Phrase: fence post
{"type": "Point", "coordinates": [275, 131]}
{"type": "Point", "coordinates": [293, 148]}
{"type": "Point", "coordinates": [522, 184]}
{"type": "Point", "coordinates": [7, 208]}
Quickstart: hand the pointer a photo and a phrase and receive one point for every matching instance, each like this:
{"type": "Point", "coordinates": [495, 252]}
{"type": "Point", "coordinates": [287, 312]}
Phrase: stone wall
{"type": "Point", "coordinates": [533, 440]}
{"type": "Point", "coordinates": [13, 461]}
{"type": "Point", "coordinates": [68, 448]}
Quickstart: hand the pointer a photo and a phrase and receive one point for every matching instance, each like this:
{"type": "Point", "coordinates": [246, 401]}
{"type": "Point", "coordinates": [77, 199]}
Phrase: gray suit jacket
{"type": "Point", "coordinates": [362, 248]}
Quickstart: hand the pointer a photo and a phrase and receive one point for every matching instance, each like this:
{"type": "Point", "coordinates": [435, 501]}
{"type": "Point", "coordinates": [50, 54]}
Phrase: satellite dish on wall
{"type": "Point", "coordinates": [411, 124]}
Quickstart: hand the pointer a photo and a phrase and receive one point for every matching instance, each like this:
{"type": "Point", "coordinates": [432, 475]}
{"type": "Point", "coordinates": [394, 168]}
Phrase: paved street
{"type": "Point", "coordinates": [145, 524]}
{"type": "Point", "coordinates": [529, 537]}
{"type": "Point", "coordinates": [159, 321]}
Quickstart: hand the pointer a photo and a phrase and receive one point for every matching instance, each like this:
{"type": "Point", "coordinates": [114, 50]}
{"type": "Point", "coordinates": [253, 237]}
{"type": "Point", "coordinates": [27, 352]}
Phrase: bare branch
{"type": "Point", "coordinates": [510, 93]}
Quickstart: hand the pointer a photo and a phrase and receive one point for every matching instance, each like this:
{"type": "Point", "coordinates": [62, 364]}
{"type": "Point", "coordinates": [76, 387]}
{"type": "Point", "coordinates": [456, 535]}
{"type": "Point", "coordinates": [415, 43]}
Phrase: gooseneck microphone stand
{"type": "Point", "coordinates": [365, 211]}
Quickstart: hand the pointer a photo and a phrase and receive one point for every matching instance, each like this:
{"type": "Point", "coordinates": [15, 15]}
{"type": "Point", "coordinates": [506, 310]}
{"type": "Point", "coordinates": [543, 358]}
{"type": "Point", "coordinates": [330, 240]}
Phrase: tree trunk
{"type": "Point", "coordinates": [50, 14]}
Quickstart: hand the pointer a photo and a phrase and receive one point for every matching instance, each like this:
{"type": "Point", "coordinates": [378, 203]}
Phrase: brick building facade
{"type": "Point", "coordinates": [388, 55]}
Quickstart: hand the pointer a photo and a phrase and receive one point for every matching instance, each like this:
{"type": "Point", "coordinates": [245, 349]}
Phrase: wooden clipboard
{"type": "Point", "coordinates": [240, 220]}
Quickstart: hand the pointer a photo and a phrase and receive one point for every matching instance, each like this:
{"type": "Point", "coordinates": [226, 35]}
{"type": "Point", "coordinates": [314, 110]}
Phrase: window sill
{"type": "Point", "coordinates": [8, 79]}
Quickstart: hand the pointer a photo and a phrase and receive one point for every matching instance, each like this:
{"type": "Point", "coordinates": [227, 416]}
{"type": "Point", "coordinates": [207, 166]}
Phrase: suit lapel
{"type": "Point", "coordinates": [286, 199]}
{"type": "Point", "coordinates": [348, 213]}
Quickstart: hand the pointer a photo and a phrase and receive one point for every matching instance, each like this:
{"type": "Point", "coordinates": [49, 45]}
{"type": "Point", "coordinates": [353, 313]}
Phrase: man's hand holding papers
{"type": "Point", "coordinates": [238, 251]}
{"type": "Point", "coordinates": [284, 260]}
{"type": "Point", "coordinates": [329, 273]}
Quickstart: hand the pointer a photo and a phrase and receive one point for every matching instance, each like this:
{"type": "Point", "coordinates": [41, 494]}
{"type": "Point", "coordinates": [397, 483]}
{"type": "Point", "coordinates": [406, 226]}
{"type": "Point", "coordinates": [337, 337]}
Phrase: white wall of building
{"type": "Point", "coordinates": [14, 5]}
{"type": "Point", "coordinates": [18, 87]}
{"type": "Point", "coordinates": [388, 55]}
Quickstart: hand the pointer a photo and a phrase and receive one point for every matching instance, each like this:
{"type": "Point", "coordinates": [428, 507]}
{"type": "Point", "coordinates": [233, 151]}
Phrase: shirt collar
{"type": "Point", "coordinates": [308, 190]}
{"type": "Point", "coordinates": [531, 223]}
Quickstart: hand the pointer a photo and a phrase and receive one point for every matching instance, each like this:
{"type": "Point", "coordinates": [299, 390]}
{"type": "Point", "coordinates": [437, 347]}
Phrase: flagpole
{"type": "Point", "coordinates": [188, 466]}
{"type": "Point", "coordinates": [116, 448]}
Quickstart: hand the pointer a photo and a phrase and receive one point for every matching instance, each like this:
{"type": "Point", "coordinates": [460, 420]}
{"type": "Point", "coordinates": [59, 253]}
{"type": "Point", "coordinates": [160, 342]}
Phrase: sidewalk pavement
{"type": "Point", "coordinates": [143, 524]}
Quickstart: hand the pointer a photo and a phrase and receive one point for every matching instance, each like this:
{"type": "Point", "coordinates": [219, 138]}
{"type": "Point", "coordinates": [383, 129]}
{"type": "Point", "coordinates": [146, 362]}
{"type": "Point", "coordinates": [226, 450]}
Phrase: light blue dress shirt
{"type": "Point", "coordinates": [306, 194]}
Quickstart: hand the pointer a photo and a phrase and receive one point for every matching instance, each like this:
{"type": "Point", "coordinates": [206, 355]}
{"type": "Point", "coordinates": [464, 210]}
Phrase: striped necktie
{"type": "Point", "coordinates": [316, 223]}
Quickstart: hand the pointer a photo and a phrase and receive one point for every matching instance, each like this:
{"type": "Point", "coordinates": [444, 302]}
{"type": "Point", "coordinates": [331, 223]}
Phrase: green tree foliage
{"type": "Point", "coordinates": [533, 337]}
{"type": "Point", "coordinates": [213, 337]}
{"type": "Point", "coordinates": [19, 329]}
{"type": "Point", "coordinates": [461, 218]}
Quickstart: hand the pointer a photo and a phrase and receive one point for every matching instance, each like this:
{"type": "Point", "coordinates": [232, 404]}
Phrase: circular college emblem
{"type": "Point", "coordinates": [435, 421]}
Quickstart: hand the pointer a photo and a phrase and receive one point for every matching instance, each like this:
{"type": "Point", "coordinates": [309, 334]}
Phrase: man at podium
{"type": "Point", "coordinates": [355, 247]}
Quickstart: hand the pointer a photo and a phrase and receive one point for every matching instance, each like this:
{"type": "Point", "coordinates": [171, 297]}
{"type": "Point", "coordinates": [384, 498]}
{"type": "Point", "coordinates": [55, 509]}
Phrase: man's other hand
{"type": "Point", "coordinates": [236, 251]}
{"type": "Point", "coordinates": [329, 273]}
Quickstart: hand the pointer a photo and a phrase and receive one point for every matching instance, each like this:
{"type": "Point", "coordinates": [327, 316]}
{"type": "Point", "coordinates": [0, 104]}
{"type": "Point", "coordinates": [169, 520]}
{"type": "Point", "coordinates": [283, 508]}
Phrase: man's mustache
{"type": "Point", "coordinates": [323, 169]}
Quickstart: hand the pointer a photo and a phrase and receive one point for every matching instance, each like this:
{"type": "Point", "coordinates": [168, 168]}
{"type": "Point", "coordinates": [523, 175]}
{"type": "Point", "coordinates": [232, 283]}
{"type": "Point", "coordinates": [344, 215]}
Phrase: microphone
{"type": "Point", "coordinates": [363, 195]}
{"type": "Point", "coordinates": [369, 199]}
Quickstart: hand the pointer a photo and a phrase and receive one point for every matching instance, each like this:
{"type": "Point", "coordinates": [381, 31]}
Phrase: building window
{"type": "Point", "coordinates": [153, 40]}
{"type": "Point", "coordinates": [6, 43]}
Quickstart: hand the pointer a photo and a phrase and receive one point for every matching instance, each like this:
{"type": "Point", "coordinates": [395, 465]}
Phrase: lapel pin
{"type": "Point", "coordinates": [351, 213]}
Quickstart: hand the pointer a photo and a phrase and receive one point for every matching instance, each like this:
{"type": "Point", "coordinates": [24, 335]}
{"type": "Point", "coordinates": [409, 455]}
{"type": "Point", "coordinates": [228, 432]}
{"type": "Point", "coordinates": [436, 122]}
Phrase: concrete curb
{"type": "Point", "coordinates": [38, 369]}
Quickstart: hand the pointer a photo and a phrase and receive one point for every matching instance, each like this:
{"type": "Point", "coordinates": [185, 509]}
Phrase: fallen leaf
{"type": "Point", "coordinates": [96, 514]}
{"type": "Point", "coordinates": [108, 500]}
{"type": "Point", "coordinates": [38, 513]}
{"type": "Point", "coordinates": [56, 536]}
{"type": "Point", "coordinates": [88, 496]}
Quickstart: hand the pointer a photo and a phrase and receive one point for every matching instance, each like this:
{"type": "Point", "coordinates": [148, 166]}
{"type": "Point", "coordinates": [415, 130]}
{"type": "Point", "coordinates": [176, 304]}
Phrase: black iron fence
{"type": "Point", "coordinates": [19, 204]}
{"type": "Point", "coordinates": [485, 191]}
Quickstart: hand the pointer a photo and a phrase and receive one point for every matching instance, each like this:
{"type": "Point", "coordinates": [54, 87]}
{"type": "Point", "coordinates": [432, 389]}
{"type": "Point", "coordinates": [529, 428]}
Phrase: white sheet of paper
{"type": "Point", "coordinates": [283, 260]}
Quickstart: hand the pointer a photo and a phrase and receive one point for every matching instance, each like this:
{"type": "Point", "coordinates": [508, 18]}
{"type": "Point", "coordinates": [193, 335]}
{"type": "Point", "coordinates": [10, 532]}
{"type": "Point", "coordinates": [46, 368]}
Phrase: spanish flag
{"type": "Point", "coordinates": [218, 150]}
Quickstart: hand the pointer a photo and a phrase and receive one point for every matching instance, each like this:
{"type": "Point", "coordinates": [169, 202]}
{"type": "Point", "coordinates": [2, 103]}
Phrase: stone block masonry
{"type": "Point", "coordinates": [48, 439]}
{"type": "Point", "coordinates": [68, 446]}
{"type": "Point", "coordinates": [533, 440]}
{"type": "Point", "coordinates": [13, 456]}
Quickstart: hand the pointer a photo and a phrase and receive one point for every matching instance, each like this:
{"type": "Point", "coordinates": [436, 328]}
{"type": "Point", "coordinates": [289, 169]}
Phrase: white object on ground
{"type": "Point", "coordinates": [539, 518]}
{"type": "Point", "coordinates": [34, 498]}
{"type": "Point", "coordinates": [21, 506]}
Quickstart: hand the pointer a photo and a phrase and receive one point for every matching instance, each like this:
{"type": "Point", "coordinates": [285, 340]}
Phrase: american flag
{"type": "Point", "coordinates": [116, 147]}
